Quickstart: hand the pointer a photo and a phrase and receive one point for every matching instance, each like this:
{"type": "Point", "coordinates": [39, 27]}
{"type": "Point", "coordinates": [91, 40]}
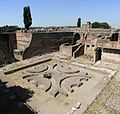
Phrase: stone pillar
{"type": "Point", "coordinates": [97, 54]}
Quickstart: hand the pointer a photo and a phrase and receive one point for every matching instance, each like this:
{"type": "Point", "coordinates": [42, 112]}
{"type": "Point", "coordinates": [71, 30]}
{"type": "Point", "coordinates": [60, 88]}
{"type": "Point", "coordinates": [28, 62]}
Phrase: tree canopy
{"type": "Point", "coordinates": [9, 28]}
{"type": "Point", "coordinates": [27, 17]}
{"type": "Point", "coordinates": [103, 25]}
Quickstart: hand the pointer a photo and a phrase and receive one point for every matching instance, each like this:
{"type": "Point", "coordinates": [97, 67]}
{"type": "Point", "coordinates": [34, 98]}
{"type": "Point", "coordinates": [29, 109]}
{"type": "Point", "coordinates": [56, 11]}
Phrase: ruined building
{"type": "Point", "coordinates": [51, 79]}
{"type": "Point", "coordinates": [99, 43]}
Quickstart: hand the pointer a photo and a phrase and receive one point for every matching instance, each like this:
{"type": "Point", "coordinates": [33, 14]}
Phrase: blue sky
{"type": "Point", "coordinates": [60, 12]}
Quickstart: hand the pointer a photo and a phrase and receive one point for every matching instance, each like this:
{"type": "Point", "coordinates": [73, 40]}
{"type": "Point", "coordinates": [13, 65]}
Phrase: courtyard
{"type": "Point", "coordinates": [59, 86]}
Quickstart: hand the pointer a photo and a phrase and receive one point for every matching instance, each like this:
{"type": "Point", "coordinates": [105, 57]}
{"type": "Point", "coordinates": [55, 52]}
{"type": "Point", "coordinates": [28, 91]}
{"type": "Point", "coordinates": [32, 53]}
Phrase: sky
{"type": "Point", "coordinates": [60, 12]}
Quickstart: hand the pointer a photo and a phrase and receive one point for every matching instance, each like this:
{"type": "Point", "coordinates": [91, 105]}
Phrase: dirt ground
{"type": "Point", "coordinates": [90, 92]}
{"type": "Point", "coordinates": [108, 102]}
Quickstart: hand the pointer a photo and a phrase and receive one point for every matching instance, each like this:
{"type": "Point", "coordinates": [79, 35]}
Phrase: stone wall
{"type": "Point", "coordinates": [32, 44]}
{"type": "Point", "coordinates": [79, 51]}
{"type": "Point", "coordinates": [106, 43]}
{"type": "Point", "coordinates": [91, 30]}
{"type": "Point", "coordinates": [110, 54]}
{"type": "Point", "coordinates": [89, 34]}
{"type": "Point", "coordinates": [7, 45]}
{"type": "Point", "coordinates": [23, 40]}
{"type": "Point", "coordinates": [66, 50]}
{"type": "Point", "coordinates": [39, 43]}
{"type": "Point", "coordinates": [97, 54]}
{"type": "Point", "coordinates": [72, 50]}
{"type": "Point", "coordinates": [87, 25]}
{"type": "Point", "coordinates": [46, 42]}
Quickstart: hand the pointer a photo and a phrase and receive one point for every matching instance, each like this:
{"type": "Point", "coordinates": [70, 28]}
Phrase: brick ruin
{"type": "Point", "coordinates": [54, 83]}
{"type": "Point", "coordinates": [7, 45]}
{"type": "Point", "coordinates": [59, 85]}
{"type": "Point", "coordinates": [39, 43]}
{"type": "Point", "coordinates": [98, 43]}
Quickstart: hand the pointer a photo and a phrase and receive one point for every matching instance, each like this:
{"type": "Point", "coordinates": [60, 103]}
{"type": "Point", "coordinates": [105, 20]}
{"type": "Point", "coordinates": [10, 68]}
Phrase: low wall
{"type": "Point", "coordinates": [72, 50]}
{"type": "Point", "coordinates": [66, 50]}
{"type": "Point", "coordinates": [106, 43]}
{"type": "Point", "coordinates": [111, 54]}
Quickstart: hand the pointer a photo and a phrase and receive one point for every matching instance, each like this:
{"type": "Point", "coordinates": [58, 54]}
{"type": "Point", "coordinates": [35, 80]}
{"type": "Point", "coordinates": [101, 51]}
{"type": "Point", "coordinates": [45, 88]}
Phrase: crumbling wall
{"type": "Point", "coordinates": [23, 40]}
{"type": "Point", "coordinates": [66, 50]}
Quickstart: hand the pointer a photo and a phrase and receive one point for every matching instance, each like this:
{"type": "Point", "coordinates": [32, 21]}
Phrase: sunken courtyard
{"type": "Point", "coordinates": [73, 71]}
{"type": "Point", "coordinates": [58, 85]}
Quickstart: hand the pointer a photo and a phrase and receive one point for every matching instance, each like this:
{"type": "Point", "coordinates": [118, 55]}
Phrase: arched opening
{"type": "Point", "coordinates": [75, 38]}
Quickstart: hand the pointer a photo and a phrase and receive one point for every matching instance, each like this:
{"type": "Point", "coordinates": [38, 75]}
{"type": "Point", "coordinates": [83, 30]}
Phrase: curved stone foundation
{"type": "Point", "coordinates": [65, 69]}
{"type": "Point", "coordinates": [38, 69]}
{"type": "Point", "coordinates": [63, 78]}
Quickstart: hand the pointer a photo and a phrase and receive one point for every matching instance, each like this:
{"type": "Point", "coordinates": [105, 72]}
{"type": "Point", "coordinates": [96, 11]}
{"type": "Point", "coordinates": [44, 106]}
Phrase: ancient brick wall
{"type": "Point", "coordinates": [7, 45]}
{"type": "Point", "coordinates": [106, 43]}
{"type": "Point", "coordinates": [23, 40]}
{"type": "Point", "coordinates": [12, 42]}
{"type": "Point", "coordinates": [110, 54]}
{"type": "Point", "coordinates": [66, 50]}
{"type": "Point", "coordinates": [79, 51]}
{"type": "Point", "coordinates": [46, 42]}
{"type": "Point", "coordinates": [72, 50]}
{"type": "Point", "coordinates": [39, 43]}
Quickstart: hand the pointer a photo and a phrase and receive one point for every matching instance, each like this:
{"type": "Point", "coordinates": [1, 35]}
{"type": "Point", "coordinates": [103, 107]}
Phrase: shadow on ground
{"type": "Point", "coordinates": [13, 100]}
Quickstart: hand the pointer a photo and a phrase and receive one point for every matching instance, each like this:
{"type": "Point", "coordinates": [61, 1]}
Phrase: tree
{"type": "Point", "coordinates": [79, 22]}
{"type": "Point", "coordinates": [27, 17]}
{"type": "Point", "coordinates": [105, 25]}
{"type": "Point", "coordinates": [9, 28]}
{"type": "Point", "coordinates": [96, 25]}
